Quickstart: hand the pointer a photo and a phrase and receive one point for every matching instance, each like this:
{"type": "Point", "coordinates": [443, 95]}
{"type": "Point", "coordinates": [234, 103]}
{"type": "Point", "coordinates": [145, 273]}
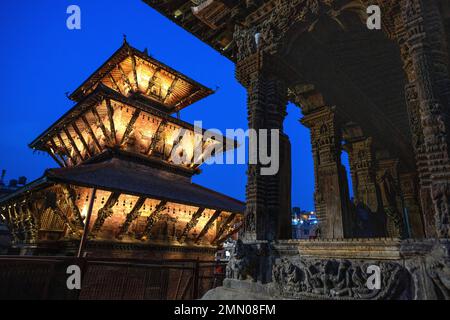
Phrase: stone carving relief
{"type": "Point", "coordinates": [273, 28]}
{"type": "Point", "coordinates": [337, 279]}
{"type": "Point", "coordinates": [243, 263]}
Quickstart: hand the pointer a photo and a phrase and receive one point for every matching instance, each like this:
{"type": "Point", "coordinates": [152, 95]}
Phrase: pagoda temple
{"type": "Point", "coordinates": [118, 191]}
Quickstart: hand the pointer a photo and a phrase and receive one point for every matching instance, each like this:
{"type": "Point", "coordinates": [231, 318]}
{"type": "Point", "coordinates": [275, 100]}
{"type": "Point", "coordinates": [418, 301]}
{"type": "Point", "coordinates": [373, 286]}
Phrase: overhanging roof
{"type": "Point", "coordinates": [137, 179]}
{"type": "Point", "coordinates": [185, 91]}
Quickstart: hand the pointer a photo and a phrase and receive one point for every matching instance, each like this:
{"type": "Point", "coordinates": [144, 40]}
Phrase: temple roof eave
{"type": "Point", "coordinates": [122, 53]}
{"type": "Point", "coordinates": [142, 181]}
{"type": "Point", "coordinates": [100, 93]}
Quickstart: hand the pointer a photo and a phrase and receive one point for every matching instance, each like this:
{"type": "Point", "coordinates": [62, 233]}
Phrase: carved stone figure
{"type": "Point", "coordinates": [243, 263]}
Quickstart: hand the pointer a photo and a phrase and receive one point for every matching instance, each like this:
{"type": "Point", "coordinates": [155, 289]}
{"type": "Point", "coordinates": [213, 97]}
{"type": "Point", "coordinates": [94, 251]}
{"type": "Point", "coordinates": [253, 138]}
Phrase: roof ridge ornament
{"type": "Point", "coordinates": [125, 42]}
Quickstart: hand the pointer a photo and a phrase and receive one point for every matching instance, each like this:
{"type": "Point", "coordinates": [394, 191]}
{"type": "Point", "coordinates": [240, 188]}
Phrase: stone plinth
{"type": "Point", "coordinates": [338, 269]}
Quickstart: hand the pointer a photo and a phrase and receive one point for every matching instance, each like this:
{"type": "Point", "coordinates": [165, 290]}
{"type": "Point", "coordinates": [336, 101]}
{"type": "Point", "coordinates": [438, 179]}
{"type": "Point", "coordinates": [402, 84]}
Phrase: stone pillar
{"type": "Point", "coordinates": [365, 189]}
{"type": "Point", "coordinates": [408, 186]}
{"type": "Point", "coordinates": [391, 201]}
{"type": "Point", "coordinates": [268, 197]}
{"type": "Point", "coordinates": [331, 189]}
{"type": "Point", "coordinates": [427, 55]}
{"type": "Point", "coordinates": [424, 178]}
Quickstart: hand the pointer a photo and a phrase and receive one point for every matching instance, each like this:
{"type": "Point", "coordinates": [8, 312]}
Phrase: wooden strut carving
{"type": "Point", "coordinates": [151, 81]}
{"type": "Point", "coordinates": [224, 227]}
{"type": "Point", "coordinates": [102, 125]}
{"type": "Point", "coordinates": [152, 219]}
{"type": "Point", "coordinates": [12, 223]}
{"type": "Point", "coordinates": [130, 125]}
{"type": "Point", "coordinates": [131, 216]}
{"type": "Point", "coordinates": [170, 90]}
{"type": "Point", "coordinates": [230, 233]}
{"type": "Point", "coordinates": [110, 111]}
{"type": "Point", "coordinates": [83, 141]}
{"type": "Point", "coordinates": [91, 133]}
{"type": "Point", "coordinates": [113, 81]}
{"type": "Point", "coordinates": [156, 137]}
{"type": "Point", "coordinates": [57, 207]}
{"type": "Point", "coordinates": [191, 224]}
{"type": "Point", "coordinates": [105, 212]}
{"type": "Point", "coordinates": [208, 225]}
{"type": "Point", "coordinates": [31, 222]}
{"type": "Point", "coordinates": [21, 221]}
{"type": "Point", "coordinates": [69, 197]}
{"type": "Point", "coordinates": [74, 145]}
{"type": "Point", "coordinates": [125, 77]}
{"type": "Point", "coordinates": [54, 157]}
{"type": "Point", "coordinates": [55, 148]}
{"type": "Point", "coordinates": [66, 150]}
{"type": "Point", "coordinates": [133, 64]}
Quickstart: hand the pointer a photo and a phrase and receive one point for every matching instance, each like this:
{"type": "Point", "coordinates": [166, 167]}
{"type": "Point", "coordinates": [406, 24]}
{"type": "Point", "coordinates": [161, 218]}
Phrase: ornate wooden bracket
{"type": "Point", "coordinates": [208, 225]}
{"type": "Point", "coordinates": [105, 212]}
{"type": "Point", "coordinates": [131, 216]}
{"type": "Point", "coordinates": [191, 224]}
{"type": "Point", "coordinates": [152, 219]}
{"type": "Point", "coordinates": [224, 227]}
{"type": "Point", "coordinates": [130, 125]}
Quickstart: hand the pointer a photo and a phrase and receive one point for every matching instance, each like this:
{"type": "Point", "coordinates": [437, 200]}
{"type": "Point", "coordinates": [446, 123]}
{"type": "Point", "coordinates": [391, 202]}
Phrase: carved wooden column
{"type": "Point", "coordinates": [331, 188]}
{"type": "Point", "coordinates": [268, 197]}
{"type": "Point", "coordinates": [427, 57]}
{"type": "Point", "coordinates": [408, 186]}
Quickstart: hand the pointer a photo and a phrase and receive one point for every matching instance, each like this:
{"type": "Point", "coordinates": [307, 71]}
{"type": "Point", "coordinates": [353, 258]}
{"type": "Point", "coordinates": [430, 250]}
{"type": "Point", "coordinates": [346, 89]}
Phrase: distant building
{"type": "Point", "coordinates": [304, 224]}
{"type": "Point", "coordinates": [13, 185]}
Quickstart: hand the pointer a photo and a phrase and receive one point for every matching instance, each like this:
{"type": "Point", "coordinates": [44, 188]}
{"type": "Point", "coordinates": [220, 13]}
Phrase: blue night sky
{"type": "Point", "coordinates": [41, 60]}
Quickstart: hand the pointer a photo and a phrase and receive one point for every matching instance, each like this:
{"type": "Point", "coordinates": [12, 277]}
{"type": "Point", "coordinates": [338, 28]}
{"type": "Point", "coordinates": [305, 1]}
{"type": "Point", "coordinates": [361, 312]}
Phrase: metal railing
{"type": "Point", "coordinates": [118, 279]}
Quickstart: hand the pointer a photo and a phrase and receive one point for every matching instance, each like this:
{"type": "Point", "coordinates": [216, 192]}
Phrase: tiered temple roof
{"type": "Point", "coordinates": [115, 148]}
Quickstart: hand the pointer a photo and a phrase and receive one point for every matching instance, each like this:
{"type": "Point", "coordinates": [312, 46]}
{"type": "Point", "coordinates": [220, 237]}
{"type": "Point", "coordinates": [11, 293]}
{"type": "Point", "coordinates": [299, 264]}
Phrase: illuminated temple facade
{"type": "Point", "coordinates": [118, 175]}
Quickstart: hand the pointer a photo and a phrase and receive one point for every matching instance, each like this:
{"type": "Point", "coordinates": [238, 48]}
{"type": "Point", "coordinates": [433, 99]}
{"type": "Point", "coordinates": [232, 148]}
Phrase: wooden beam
{"type": "Point", "coordinates": [55, 148]}
{"type": "Point", "coordinates": [80, 136]}
{"type": "Point", "coordinates": [130, 125]}
{"type": "Point", "coordinates": [116, 86]}
{"type": "Point", "coordinates": [224, 227]}
{"type": "Point", "coordinates": [156, 137]}
{"type": "Point", "coordinates": [91, 133]}
{"type": "Point", "coordinates": [133, 65]}
{"type": "Point", "coordinates": [229, 234]}
{"type": "Point", "coordinates": [208, 225]}
{"type": "Point", "coordinates": [191, 224]}
{"type": "Point", "coordinates": [152, 219]}
{"type": "Point", "coordinates": [52, 154]}
{"type": "Point", "coordinates": [170, 90]}
{"type": "Point", "coordinates": [111, 120]}
{"type": "Point", "coordinates": [187, 98]}
{"type": "Point", "coordinates": [131, 216]}
{"type": "Point", "coordinates": [61, 141]}
{"type": "Point", "coordinates": [102, 126]}
{"type": "Point", "coordinates": [125, 77]}
{"type": "Point", "coordinates": [105, 212]}
{"type": "Point", "coordinates": [72, 142]}
{"type": "Point", "coordinates": [151, 81]}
